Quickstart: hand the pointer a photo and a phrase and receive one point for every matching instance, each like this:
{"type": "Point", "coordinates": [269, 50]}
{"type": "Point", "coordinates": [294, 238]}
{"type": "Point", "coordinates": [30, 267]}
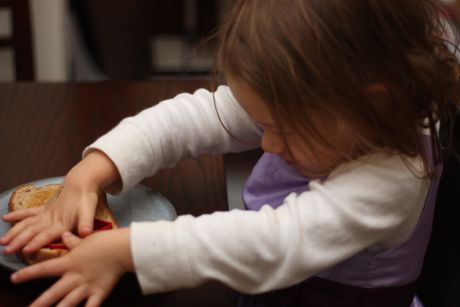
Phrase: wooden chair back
{"type": "Point", "coordinates": [20, 40]}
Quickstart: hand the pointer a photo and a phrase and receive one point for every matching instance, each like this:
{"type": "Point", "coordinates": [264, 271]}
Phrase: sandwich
{"type": "Point", "coordinates": [30, 196]}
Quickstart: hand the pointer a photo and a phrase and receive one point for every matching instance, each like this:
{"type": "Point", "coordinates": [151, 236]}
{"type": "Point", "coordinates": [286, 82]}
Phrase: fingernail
{"type": "Point", "coordinates": [14, 277]}
{"type": "Point", "coordinates": [8, 249]}
{"type": "Point", "coordinates": [5, 216]}
{"type": "Point", "coordinates": [66, 234]}
{"type": "Point", "coordinates": [84, 231]}
{"type": "Point", "coordinates": [26, 249]}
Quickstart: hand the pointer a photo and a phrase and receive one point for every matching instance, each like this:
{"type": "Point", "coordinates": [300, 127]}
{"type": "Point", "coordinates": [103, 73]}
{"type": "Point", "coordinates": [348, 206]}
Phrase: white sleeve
{"type": "Point", "coordinates": [274, 248]}
{"type": "Point", "coordinates": [185, 126]}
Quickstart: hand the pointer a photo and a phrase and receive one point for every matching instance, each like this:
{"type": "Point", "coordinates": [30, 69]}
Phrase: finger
{"type": "Point", "coordinates": [86, 221]}
{"type": "Point", "coordinates": [96, 300]}
{"type": "Point", "coordinates": [16, 229]}
{"type": "Point", "coordinates": [23, 238]}
{"type": "Point", "coordinates": [56, 292]}
{"type": "Point", "coordinates": [53, 267]}
{"type": "Point", "coordinates": [74, 297]}
{"type": "Point", "coordinates": [21, 214]}
{"type": "Point", "coordinates": [70, 240]}
{"type": "Point", "coordinates": [43, 238]}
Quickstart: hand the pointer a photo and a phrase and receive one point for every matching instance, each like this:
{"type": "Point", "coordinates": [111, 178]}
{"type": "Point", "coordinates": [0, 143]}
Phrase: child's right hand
{"type": "Point", "coordinates": [74, 207]}
{"type": "Point", "coordinates": [88, 272]}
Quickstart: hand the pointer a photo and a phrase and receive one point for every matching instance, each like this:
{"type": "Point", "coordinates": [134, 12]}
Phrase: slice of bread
{"type": "Point", "coordinates": [30, 196]}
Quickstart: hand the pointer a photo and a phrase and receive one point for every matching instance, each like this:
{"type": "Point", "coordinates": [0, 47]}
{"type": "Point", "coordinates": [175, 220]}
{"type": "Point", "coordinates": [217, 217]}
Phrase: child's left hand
{"type": "Point", "coordinates": [89, 271]}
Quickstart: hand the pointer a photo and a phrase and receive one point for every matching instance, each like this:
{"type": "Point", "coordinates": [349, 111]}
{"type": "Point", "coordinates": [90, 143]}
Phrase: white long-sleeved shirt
{"type": "Point", "coordinates": [372, 202]}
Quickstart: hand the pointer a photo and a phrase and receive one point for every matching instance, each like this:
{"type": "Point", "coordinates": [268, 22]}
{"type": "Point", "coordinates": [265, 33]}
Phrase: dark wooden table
{"type": "Point", "coordinates": [43, 129]}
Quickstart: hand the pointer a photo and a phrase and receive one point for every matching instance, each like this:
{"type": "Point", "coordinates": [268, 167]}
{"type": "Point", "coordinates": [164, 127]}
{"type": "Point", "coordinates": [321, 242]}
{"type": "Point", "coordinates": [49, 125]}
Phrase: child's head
{"type": "Point", "coordinates": [376, 68]}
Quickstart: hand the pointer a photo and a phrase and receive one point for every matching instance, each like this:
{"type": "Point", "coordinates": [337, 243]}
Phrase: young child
{"type": "Point", "coordinates": [344, 97]}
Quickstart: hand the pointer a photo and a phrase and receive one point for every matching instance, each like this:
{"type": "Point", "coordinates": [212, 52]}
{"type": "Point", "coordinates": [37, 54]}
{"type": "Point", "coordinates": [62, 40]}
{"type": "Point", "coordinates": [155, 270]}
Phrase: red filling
{"type": "Point", "coordinates": [99, 225]}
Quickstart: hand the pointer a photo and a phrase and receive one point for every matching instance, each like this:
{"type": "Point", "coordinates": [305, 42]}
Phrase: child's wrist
{"type": "Point", "coordinates": [80, 183]}
{"type": "Point", "coordinates": [123, 238]}
{"type": "Point", "coordinates": [95, 172]}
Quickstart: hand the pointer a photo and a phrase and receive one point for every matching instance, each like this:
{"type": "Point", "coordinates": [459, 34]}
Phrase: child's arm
{"type": "Point", "coordinates": [372, 202]}
{"type": "Point", "coordinates": [89, 271]}
{"type": "Point", "coordinates": [186, 126]}
{"type": "Point", "coordinates": [74, 207]}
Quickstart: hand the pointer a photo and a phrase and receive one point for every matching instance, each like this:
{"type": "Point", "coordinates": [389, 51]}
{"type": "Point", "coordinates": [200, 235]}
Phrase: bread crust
{"type": "Point", "coordinates": [41, 196]}
{"type": "Point", "coordinates": [42, 254]}
{"type": "Point", "coordinates": [29, 188]}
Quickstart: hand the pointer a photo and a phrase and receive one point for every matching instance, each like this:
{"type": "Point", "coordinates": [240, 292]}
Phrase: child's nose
{"type": "Point", "coordinates": [272, 143]}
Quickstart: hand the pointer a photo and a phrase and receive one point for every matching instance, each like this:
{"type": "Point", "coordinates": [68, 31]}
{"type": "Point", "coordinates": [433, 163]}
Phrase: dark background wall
{"type": "Point", "coordinates": [117, 33]}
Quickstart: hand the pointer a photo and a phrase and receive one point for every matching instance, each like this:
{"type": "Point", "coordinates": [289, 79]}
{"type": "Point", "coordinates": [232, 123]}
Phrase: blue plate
{"type": "Point", "coordinates": [139, 204]}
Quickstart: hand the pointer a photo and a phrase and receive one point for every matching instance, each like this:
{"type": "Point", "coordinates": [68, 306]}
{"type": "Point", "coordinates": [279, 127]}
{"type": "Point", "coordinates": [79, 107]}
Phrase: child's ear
{"type": "Point", "coordinates": [379, 96]}
{"type": "Point", "coordinates": [376, 88]}
{"type": "Point", "coordinates": [377, 92]}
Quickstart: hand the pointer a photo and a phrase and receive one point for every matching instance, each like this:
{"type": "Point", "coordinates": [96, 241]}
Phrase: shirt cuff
{"type": "Point", "coordinates": [160, 260]}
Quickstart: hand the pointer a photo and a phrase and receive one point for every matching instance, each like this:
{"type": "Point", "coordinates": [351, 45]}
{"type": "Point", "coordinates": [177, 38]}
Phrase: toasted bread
{"type": "Point", "coordinates": [30, 196]}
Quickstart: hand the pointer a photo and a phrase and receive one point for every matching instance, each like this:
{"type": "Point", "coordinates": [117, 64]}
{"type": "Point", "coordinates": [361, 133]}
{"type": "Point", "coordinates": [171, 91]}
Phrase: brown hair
{"type": "Point", "coordinates": [304, 56]}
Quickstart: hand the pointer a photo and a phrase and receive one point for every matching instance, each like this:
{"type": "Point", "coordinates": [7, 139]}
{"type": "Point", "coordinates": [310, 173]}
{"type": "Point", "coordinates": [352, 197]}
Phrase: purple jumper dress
{"type": "Point", "coordinates": [385, 279]}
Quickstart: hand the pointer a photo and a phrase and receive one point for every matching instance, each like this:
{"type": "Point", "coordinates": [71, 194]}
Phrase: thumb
{"type": "Point", "coordinates": [86, 221]}
{"type": "Point", "coordinates": [70, 240]}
